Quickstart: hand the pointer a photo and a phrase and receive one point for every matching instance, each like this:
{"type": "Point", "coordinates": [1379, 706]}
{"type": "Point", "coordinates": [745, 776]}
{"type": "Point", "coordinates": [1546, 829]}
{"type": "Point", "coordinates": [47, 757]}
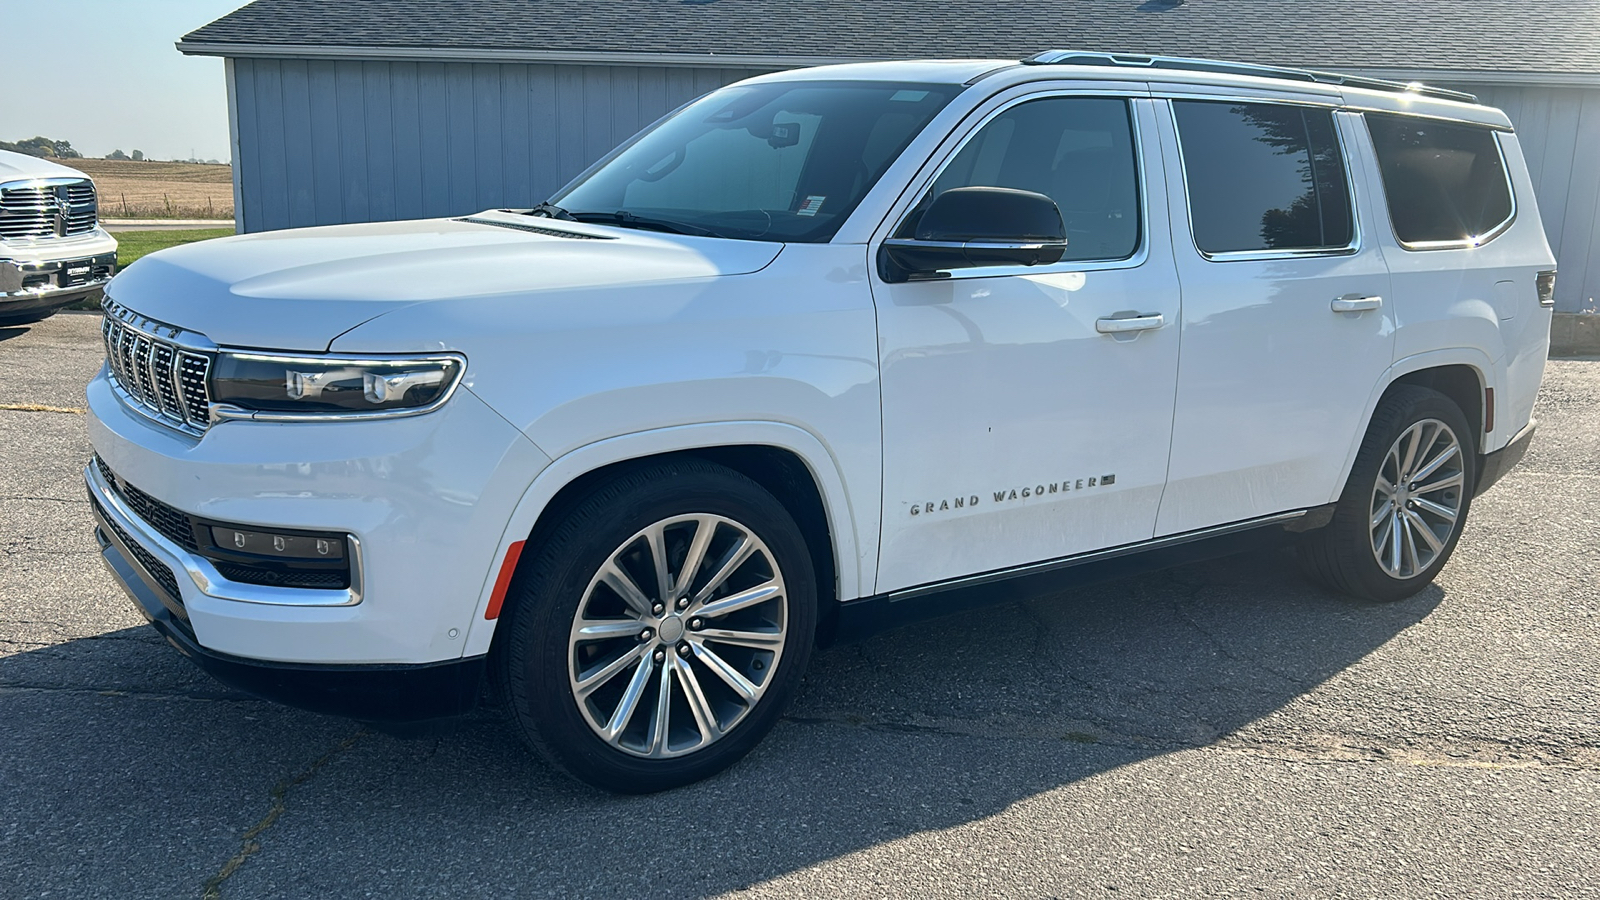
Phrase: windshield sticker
{"type": "Point", "coordinates": [811, 206]}
{"type": "Point", "coordinates": [908, 96]}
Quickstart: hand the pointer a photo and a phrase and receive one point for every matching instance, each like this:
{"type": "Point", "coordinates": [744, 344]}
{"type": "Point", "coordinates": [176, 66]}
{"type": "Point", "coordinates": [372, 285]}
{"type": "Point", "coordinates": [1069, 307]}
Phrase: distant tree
{"type": "Point", "coordinates": [138, 155]}
{"type": "Point", "coordinates": [116, 154]}
{"type": "Point", "coordinates": [43, 146]}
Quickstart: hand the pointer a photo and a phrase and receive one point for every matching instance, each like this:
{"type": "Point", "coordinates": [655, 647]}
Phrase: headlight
{"type": "Point", "coordinates": [281, 388]}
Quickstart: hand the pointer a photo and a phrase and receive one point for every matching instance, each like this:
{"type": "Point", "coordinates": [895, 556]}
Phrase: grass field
{"type": "Point", "coordinates": [133, 244]}
{"type": "Point", "coordinates": [160, 190]}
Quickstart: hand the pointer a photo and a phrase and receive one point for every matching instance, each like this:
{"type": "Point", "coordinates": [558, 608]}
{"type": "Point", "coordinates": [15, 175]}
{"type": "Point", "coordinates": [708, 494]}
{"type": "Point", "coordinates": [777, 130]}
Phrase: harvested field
{"type": "Point", "coordinates": [160, 190]}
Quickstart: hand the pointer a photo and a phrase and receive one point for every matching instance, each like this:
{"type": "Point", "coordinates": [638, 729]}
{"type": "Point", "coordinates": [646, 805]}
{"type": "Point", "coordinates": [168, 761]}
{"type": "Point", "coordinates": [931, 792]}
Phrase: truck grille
{"type": "Point", "coordinates": [54, 209]}
{"type": "Point", "coordinates": [164, 378]}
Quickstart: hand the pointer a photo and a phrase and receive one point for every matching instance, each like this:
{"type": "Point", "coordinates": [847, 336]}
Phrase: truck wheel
{"type": "Point", "coordinates": [1404, 506]}
{"type": "Point", "coordinates": [656, 634]}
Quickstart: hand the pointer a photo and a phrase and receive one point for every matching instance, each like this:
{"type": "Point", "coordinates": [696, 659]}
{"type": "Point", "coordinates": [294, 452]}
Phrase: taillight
{"type": "Point", "coordinates": [1546, 283]}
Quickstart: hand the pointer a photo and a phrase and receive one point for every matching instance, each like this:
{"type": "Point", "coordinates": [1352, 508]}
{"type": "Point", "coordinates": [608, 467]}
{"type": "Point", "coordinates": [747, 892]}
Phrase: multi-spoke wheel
{"type": "Point", "coordinates": [1416, 500]}
{"type": "Point", "coordinates": [1405, 502]}
{"type": "Point", "coordinates": [654, 635]}
{"type": "Point", "coordinates": [675, 638]}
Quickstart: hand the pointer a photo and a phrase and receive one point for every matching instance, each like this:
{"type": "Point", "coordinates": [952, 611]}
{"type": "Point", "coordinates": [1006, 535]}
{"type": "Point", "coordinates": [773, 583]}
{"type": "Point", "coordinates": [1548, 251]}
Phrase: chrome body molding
{"type": "Point", "coordinates": [205, 576]}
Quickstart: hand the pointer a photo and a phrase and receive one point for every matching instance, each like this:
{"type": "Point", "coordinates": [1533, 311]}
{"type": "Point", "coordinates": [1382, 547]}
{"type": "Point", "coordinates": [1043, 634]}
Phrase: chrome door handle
{"type": "Point", "coordinates": [1356, 303]}
{"type": "Point", "coordinates": [1135, 323]}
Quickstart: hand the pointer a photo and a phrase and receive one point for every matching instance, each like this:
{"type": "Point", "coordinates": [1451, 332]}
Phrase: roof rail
{"type": "Point", "coordinates": [1134, 60]}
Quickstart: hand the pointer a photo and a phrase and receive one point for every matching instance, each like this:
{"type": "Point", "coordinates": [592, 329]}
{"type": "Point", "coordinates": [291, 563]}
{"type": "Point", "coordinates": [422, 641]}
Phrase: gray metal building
{"type": "Point", "coordinates": [366, 110]}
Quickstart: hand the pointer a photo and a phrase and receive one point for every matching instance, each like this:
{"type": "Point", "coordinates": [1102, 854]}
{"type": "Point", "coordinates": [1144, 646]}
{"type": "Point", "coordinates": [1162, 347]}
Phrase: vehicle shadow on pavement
{"type": "Point", "coordinates": [7, 332]}
{"type": "Point", "coordinates": [167, 783]}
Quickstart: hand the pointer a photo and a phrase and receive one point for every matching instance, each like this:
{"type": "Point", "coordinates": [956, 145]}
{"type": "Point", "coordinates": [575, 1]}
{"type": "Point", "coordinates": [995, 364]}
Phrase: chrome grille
{"type": "Point", "coordinates": [165, 379]}
{"type": "Point", "coordinates": [54, 208]}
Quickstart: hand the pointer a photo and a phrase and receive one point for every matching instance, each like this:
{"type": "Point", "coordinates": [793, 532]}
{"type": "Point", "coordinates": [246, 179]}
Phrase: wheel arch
{"type": "Point", "coordinates": [787, 461]}
{"type": "Point", "coordinates": [1461, 374]}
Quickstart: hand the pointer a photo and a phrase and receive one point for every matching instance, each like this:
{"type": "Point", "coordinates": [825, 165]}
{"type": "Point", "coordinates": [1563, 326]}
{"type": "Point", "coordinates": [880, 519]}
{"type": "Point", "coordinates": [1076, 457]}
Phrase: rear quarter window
{"type": "Point", "coordinates": [1444, 182]}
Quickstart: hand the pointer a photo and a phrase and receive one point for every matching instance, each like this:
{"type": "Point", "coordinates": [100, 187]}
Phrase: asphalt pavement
{"type": "Point", "coordinates": [1222, 729]}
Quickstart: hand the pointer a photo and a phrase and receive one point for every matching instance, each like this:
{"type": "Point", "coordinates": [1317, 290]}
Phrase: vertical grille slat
{"type": "Point", "coordinates": [164, 380]}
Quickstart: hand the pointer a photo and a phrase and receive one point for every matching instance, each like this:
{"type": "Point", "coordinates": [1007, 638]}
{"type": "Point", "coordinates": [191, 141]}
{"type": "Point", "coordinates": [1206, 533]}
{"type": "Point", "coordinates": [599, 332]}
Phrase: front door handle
{"type": "Point", "coordinates": [1135, 323]}
{"type": "Point", "coordinates": [1356, 303]}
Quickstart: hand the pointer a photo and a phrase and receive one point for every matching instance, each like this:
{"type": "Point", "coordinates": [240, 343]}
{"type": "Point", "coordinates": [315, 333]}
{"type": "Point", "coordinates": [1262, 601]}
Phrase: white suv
{"type": "Point", "coordinates": [821, 351]}
{"type": "Point", "coordinates": [52, 249]}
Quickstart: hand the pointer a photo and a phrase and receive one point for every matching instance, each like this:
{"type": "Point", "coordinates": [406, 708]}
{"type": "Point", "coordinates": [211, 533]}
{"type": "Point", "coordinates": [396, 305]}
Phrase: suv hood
{"type": "Point", "coordinates": [300, 289]}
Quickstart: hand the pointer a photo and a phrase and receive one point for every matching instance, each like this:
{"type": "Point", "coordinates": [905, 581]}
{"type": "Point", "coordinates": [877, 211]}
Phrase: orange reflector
{"type": "Point", "coordinates": [503, 582]}
{"type": "Point", "coordinates": [1488, 410]}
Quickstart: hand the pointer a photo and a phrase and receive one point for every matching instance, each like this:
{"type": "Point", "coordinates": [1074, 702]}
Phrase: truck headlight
{"type": "Point", "coordinates": [281, 388]}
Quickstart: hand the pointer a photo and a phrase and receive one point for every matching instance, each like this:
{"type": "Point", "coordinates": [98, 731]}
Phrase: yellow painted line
{"type": "Point", "coordinates": [40, 407]}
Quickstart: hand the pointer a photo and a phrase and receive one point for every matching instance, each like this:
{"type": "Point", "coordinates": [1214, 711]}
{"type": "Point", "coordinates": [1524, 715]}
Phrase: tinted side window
{"type": "Point", "coordinates": [1444, 182]}
{"type": "Point", "coordinates": [1263, 176]}
{"type": "Point", "coordinates": [1078, 151]}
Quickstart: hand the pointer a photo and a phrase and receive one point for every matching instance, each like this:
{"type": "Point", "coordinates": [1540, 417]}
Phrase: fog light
{"type": "Point", "coordinates": [291, 546]}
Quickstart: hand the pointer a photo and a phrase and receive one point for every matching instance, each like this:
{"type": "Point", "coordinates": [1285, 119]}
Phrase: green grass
{"type": "Point", "coordinates": [133, 244]}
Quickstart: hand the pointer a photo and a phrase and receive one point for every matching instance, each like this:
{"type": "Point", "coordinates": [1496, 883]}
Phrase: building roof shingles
{"type": "Point", "coordinates": [1547, 36]}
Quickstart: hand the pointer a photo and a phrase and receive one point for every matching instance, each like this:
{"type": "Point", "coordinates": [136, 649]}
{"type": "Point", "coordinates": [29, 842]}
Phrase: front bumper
{"type": "Point", "coordinates": [372, 693]}
{"type": "Point", "coordinates": [425, 498]}
{"type": "Point", "coordinates": [36, 285]}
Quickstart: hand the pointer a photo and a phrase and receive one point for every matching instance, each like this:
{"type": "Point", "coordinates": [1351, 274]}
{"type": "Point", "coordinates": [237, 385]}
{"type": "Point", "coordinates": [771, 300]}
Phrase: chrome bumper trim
{"type": "Point", "coordinates": [205, 576]}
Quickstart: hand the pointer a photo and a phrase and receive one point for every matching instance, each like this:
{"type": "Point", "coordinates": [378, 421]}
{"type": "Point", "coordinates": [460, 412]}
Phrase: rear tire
{"type": "Point", "coordinates": [1405, 503]}
{"type": "Point", "coordinates": [636, 675]}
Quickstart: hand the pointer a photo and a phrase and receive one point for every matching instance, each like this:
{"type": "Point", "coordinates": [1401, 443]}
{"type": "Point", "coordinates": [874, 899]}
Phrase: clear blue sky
{"type": "Point", "coordinates": [104, 75]}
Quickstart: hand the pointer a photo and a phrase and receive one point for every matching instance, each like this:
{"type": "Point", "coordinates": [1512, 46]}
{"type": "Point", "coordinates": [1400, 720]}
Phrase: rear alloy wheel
{"type": "Point", "coordinates": [1405, 503]}
{"type": "Point", "coordinates": [655, 635]}
{"type": "Point", "coordinates": [1417, 499]}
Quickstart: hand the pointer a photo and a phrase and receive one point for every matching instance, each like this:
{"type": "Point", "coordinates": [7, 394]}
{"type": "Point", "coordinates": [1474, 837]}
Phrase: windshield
{"type": "Point", "coordinates": [784, 161]}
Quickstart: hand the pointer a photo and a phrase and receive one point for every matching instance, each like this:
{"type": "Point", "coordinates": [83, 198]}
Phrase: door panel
{"type": "Point", "coordinates": [1282, 345]}
{"type": "Point", "coordinates": [1014, 430]}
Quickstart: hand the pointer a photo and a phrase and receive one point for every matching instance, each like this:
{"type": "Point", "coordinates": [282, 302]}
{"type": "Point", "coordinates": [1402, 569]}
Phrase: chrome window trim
{"type": "Point", "coordinates": [205, 576]}
{"type": "Point", "coordinates": [1140, 254]}
{"type": "Point", "coordinates": [225, 412]}
{"type": "Point", "coordinates": [1355, 245]}
{"type": "Point", "coordinates": [1467, 244]}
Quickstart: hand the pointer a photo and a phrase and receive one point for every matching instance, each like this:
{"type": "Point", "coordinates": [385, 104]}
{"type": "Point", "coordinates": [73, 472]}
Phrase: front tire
{"type": "Point", "coordinates": [1404, 506]}
{"type": "Point", "coordinates": [656, 634]}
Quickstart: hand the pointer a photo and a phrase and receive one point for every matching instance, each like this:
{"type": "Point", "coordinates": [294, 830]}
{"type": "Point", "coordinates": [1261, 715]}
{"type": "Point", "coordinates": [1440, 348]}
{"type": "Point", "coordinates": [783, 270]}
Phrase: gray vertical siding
{"type": "Point", "coordinates": [323, 142]}
{"type": "Point", "coordinates": [1559, 131]}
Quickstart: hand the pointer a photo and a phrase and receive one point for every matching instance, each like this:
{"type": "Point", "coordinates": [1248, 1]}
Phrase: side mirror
{"type": "Point", "coordinates": [977, 226]}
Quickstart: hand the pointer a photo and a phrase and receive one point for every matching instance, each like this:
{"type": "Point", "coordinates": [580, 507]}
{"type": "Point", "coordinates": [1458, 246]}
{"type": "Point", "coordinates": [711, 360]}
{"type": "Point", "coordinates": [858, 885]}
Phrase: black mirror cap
{"type": "Point", "coordinates": [992, 215]}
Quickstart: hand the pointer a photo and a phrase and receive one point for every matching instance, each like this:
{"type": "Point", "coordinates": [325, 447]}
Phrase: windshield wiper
{"type": "Point", "coordinates": [630, 220]}
{"type": "Point", "coordinates": [550, 211]}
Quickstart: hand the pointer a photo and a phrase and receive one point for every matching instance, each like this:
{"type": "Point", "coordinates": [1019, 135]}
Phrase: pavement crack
{"type": "Point", "coordinates": [249, 846]}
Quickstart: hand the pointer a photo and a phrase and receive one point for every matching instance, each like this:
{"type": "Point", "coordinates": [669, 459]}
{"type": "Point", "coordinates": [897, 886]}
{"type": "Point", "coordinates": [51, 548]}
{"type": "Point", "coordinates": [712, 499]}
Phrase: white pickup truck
{"type": "Point", "coordinates": [52, 249]}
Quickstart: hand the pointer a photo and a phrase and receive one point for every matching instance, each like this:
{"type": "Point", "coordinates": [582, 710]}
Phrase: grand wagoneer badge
{"type": "Point", "coordinates": [1070, 485]}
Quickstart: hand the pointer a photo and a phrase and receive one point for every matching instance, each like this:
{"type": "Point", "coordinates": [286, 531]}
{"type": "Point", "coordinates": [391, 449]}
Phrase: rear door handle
{"type": "Point", "coordinates": [1135, 323]}
{"type": "Point", "coordinates": [1356, 303]}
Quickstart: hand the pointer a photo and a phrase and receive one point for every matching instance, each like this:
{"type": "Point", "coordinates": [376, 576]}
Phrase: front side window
{"type": "Point", "coordinates": [778, 162]}
{"type": "Point", "coordinates": [1078, 151]}
{"type": "Point", "coordinates": [1263, 177]}
{"type": "Point", "coordinates": [1445, 183]}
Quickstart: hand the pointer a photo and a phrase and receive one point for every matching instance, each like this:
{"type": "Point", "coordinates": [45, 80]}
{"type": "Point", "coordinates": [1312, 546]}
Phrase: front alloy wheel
{"type": "Point", "coordinates": [657, 627]}
{"type": "Point", "coordinates": [676, 635]}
